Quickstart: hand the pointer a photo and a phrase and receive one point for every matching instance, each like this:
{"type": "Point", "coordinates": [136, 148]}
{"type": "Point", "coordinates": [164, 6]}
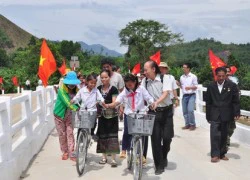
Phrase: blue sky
{"type": "Point", "coordinates": [99, 21]}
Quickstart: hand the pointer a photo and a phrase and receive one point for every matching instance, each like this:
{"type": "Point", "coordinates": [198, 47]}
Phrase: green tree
{"type": "Point", "coordinates": [5, 41]}
{"type": "Point", "coordinates": [3, 58]}
{"type": "Point", "coordinates": [32, 41]}
{"type": "Point", "coordinates": [69, 48]}
{"type": "Point", "coordinates": [145, 37]}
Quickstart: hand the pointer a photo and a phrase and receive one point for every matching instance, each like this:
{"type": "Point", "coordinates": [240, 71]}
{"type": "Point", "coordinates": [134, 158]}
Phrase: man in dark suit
{"type": "Point", "coordinates": [222, 106]}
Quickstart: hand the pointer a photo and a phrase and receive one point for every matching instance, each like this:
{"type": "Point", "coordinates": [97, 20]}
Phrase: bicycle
{"type": "Point", "coordinates": [84, 124]}
{"type": "Point", "coordinates": [139, 125]}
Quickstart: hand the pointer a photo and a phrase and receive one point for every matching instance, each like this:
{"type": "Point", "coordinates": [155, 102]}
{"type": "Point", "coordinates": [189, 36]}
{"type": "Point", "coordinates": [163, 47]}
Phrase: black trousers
{"type": "Point", "coordinates": [161, 138]}
{"type": "Point", "coordinates": [145, 146]}
{"type": "Point", "coordinates": [218, 138]}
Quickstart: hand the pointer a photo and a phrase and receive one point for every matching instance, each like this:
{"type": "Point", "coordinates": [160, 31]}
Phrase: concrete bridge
{"type": "Point", "coordinates": [29, 147]}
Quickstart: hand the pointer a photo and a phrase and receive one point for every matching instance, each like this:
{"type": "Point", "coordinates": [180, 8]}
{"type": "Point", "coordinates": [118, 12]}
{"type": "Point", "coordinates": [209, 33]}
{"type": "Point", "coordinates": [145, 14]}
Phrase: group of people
{"type": "Point", "coordinates": [155, 86]}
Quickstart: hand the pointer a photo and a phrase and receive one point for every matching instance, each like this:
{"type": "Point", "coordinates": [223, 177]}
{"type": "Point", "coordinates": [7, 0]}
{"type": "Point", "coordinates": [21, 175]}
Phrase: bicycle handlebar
{"type": "Point", "coordinates": [86, 108]}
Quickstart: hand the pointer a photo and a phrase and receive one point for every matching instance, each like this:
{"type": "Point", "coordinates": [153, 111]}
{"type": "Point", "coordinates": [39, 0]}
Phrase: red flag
{"type": "Point", "coordinates": [233, 70]}
{"type": "Point", "coordinates": [47, 64]}
{"type": "Point", "coordinates": [136, 69]}
{"type": "Point", "coordinates": [1, 80]}
{"type": "Point", "coordinates": [215, 62]}
{"type": "Point", "coordinates": [62, 69]}
{"type": "Point", "coordinates": [156, 57]}
{"type": "Point", "coordinates": [15, 81]}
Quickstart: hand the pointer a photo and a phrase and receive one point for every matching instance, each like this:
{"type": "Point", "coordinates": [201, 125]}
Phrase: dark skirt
{"type": "Point", "coordinates": [107, 133]}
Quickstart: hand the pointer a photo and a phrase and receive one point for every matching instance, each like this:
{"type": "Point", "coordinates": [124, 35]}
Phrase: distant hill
{"type": "Point", "coordinates": [99, 49]}
{"type": "Point", "coordinates": [198, 50]}
{"type": "Point", "coordinates": [12, 36]}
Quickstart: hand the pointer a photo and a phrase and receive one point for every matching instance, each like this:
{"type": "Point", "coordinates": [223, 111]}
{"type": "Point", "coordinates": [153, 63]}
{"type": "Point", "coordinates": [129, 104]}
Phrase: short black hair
{"type": "Point", "coordinates": [91, 77]}
{"type": "Point", "coordinates": [81, 76]}
{"type": "Point", "coordinates": [153, 64]}
{"type": "Point", "coordinates": [227, 67]}
{"type": "Point", "coordinates": [114, 68]}
{"type": "Point", "coordinates": [107, 61]}
{"type": "Point", "coordinates": [188, 65]}
{"type": "Point", "coordinates": [219, 69]}
{"type": "Point", "coordinates": [106, 71]}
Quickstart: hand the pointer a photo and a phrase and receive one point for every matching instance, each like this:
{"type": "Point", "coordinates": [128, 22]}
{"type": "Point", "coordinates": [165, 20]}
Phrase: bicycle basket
{"type": "Point", "coordinates": [109, 113]}
{"type": "Point", "coordinates": [142, 124]}
{"type": "Point", "coordinates": [85, 119]}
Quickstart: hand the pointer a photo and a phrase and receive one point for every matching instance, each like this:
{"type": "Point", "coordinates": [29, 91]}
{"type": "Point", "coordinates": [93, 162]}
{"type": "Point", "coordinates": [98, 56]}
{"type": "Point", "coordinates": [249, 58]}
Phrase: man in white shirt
{"type": "Point", "coordinates": [163, 132]}
{"type": "Point", "coordinates": [115, 79]}
{"type": "Point", "coordinates": [164, 68]}
{"type": "Point", "coordinates": [189, 84]}
{"type": "Point", "coordinates": [27, 83]}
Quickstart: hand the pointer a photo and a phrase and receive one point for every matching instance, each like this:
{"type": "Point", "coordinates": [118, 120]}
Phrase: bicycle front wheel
{"type": "Point", "coordinates": [129, 159]}
{"type": "Point", "coordinates": [137, 159]}
{"type": "Point", "coordinates": [82, 146]}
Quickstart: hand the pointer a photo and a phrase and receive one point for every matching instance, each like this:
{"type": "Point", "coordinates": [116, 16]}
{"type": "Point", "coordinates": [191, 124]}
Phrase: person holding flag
{"type": "Point", "coordinates": [231, 124]}
{"type": "Point", "coordinates": [164, 68]}
{"type": "Point", "coordinates": [62, 113]}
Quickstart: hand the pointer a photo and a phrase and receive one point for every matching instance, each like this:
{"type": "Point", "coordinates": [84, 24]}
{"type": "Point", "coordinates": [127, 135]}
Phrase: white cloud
{"type": "Point", "coordinates": [99, 21]}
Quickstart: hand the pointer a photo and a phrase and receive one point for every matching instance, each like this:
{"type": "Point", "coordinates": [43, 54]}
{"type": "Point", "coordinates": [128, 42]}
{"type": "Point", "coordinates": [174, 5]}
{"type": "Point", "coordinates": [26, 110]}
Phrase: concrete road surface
{"type": "Point", "coordinates": [188, 160]}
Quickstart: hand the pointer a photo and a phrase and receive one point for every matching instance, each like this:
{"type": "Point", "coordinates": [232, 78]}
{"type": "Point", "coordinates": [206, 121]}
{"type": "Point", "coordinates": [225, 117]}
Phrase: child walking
{"type": "Point", "coordinates": [133, 97]}
{"type": "Point", "coordinates": [89, 95]}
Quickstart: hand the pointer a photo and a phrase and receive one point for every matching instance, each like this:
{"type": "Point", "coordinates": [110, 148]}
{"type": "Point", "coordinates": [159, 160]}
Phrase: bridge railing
{"type": "Point", "coordinates": [22, 138]}
{"type": "Point", "coordinates": [242, 132]}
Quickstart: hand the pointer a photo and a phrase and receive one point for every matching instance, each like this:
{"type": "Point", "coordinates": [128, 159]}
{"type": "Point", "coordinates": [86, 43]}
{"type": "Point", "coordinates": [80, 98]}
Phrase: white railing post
{"type": "Point", "coordinates": [27, 112]}
{"type": "Point", "coordinates": [6, 153]}
{"type": "Point", "coordinates": [199, 99]}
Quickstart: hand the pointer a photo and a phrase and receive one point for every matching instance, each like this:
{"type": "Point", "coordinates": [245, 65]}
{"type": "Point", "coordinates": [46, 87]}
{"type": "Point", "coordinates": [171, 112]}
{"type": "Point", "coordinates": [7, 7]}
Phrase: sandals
{"type": "Point", "coordinates": [144, 161]}
{"type": "Point", "coordinates": [123, 155]}
{"type": "Point", "coordinates": [113, 163]}
{"type": "Point", "coordinates": [65, 156]}
{"type": "Point", "coordinates": [103, 161]}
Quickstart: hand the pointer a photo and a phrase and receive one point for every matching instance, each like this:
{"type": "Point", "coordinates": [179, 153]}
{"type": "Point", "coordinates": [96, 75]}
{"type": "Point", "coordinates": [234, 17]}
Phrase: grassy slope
{"type": "Point", "coordinates": [18, 36]}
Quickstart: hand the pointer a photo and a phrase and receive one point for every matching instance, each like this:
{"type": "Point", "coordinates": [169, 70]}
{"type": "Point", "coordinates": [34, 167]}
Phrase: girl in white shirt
{"type": "Point", "coordinates": [133, 97]}
{"type": "Point", "coordinates": [89, 95]}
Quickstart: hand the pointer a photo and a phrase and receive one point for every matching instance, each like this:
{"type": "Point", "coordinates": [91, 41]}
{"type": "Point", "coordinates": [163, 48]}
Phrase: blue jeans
{"type": "Point", "coordinates": [188, 104]}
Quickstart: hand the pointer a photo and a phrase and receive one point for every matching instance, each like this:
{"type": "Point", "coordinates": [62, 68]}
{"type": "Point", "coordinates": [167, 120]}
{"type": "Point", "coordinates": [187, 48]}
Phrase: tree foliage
{"type": "Point", "coordinates": [145, 37]}
{"type": "Point", "coordinates": [5, 41]}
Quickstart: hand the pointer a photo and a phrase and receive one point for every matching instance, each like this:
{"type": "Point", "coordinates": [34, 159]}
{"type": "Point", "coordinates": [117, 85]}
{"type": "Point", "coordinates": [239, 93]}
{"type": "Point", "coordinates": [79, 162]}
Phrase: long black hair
{"type": "Point", "coordinates": [130, 77]}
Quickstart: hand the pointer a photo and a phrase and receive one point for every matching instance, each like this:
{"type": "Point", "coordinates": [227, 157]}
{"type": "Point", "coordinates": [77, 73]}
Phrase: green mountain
{"type": "Point", "coordinates": [12, 37]}
{"type": "Point", "coordinates": [197, 51]}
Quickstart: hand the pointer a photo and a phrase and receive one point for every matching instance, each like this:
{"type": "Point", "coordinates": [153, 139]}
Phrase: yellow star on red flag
{"type": "Point", "coordinates": [47, 64]}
